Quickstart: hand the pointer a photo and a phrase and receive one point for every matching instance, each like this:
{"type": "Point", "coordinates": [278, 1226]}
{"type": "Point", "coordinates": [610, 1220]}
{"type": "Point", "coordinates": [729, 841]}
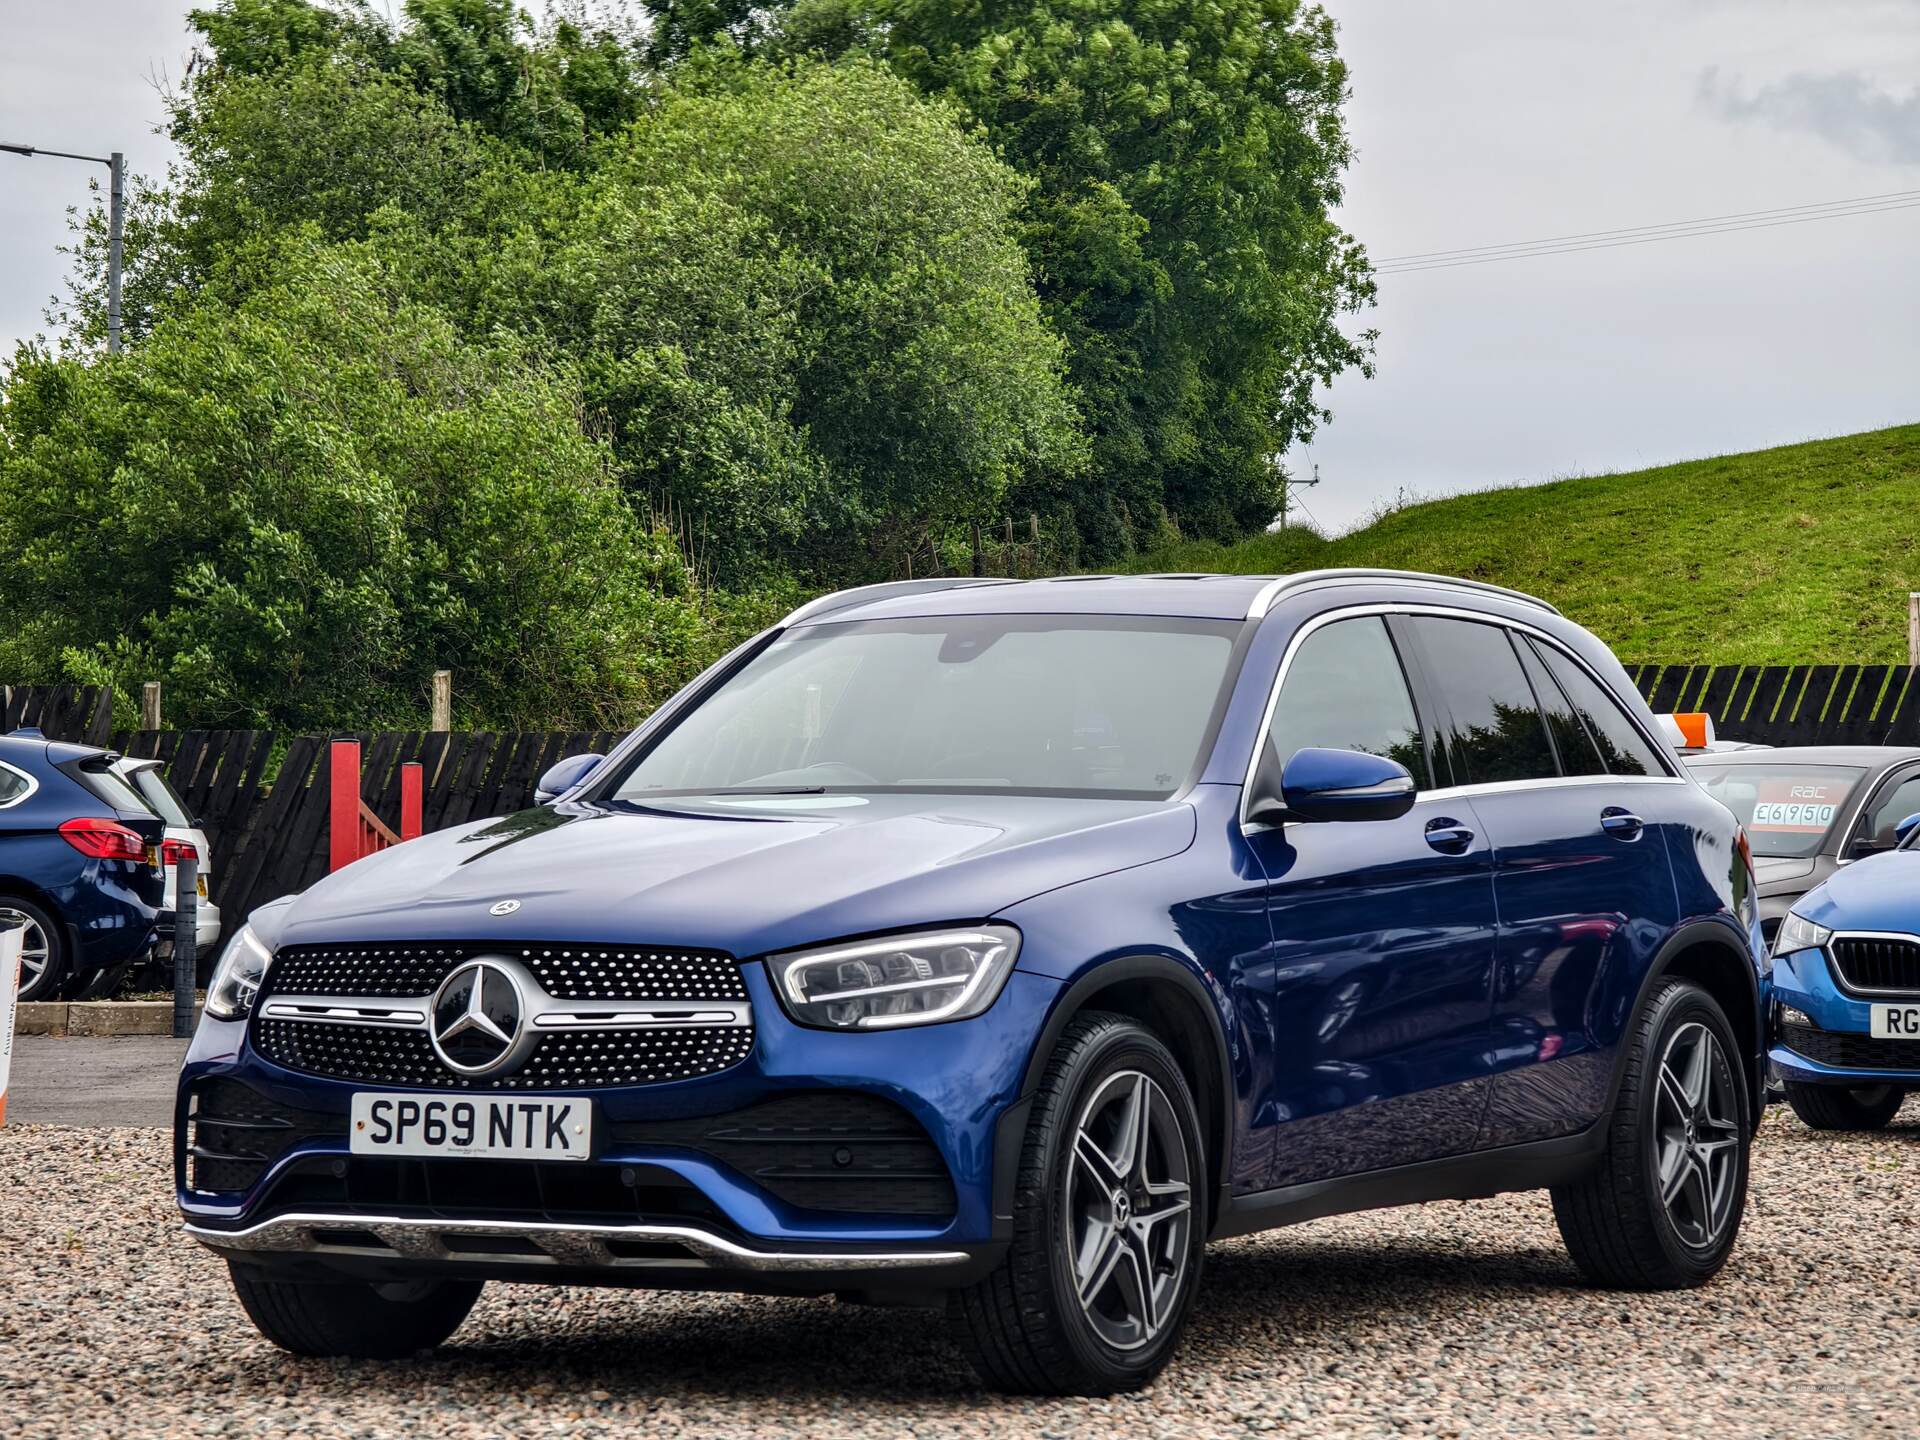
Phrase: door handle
{"type": "Point", "coordinates": [1449, 837]}
{"type": "Point", "coordinates": [1621, 824]}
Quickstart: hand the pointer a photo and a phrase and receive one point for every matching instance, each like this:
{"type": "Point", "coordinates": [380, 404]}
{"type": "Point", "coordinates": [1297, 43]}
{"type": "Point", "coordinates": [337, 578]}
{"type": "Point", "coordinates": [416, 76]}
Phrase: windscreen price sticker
{"type": "Point", "coordinates": [1796, 806]}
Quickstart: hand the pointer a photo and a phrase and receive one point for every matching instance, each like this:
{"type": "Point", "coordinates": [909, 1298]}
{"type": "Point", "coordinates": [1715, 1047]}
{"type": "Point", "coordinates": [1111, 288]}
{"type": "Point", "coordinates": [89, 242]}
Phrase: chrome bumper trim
{"type": "Point", "coordinates": [417, 1238]}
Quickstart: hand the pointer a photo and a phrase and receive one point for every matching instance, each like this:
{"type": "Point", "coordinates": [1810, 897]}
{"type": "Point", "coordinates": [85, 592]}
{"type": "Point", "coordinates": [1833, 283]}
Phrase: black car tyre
{"type": "Point", "coordinates": [1839, 1107]}
{"type": "Point", "coordinates": [1109, 1222]}
{"type": "Point", "coordinates": [352, 1318]}
{"type": "Point", "coordinates": [43, 949]}
{"type": "Point", "coordinates": [1663, 1208]}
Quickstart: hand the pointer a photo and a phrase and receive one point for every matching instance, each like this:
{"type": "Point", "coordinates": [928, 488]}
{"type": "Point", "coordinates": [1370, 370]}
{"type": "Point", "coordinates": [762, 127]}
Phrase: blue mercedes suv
{"type": "Point", "coordinates": [996, 945]}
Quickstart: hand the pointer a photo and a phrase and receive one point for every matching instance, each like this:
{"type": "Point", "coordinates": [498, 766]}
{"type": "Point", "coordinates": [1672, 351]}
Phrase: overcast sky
{"type": "Point", "coordinates": [1478, 122]}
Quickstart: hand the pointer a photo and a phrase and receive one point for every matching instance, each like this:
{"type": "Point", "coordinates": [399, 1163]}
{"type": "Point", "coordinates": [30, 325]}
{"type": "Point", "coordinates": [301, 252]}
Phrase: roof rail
{"type": "Point", "coordinates": [1309, 579]}
{"type": "Point", "coordinates": [885, 590]}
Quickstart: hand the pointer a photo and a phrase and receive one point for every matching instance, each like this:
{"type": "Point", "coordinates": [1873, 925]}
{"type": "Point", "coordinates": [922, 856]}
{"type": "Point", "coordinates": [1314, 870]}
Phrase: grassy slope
{"type": "Point", "coordinates": [1801, 554]}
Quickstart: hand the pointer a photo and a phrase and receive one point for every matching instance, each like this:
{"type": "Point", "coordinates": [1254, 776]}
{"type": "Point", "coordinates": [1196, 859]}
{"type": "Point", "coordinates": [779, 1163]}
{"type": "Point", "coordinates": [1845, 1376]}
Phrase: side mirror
{"type": "Point", "coordinates": [1336, 785]}
{"type": "Point", "coordinates": [563, 776]}
{"type": "Point", "coordinates": [1905, 828]}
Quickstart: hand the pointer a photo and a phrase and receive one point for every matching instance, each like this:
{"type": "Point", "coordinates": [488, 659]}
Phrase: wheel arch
{"type": "Point", "coordinates": [1713, 956]}
{"type": "Point", "coordinates": [1172, 1001]}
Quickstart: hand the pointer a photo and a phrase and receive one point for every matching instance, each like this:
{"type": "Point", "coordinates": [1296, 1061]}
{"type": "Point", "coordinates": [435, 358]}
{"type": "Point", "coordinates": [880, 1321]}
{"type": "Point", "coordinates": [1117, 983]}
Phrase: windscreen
{"type": "Point", "coordinates": [1097, 705]}
{"type": "Point", "coordinates": [1787, 809]}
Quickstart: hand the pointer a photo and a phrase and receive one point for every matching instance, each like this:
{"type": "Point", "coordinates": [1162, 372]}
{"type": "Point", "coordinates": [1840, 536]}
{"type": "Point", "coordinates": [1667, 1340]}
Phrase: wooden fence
{"type": "Point", "coordinates": [271, 838]}
{"type": "Point", "coordinates": [1793, 704]}
{"type": "Point", "coordinates": [82, 713]}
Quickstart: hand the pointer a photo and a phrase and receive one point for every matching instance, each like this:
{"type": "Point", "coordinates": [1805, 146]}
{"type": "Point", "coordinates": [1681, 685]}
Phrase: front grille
{"type": "Point", "coordinates": [1850, 1051]}
{"type": "Point", "coordinates": [581, 1060]}
{"type": "Point", "coordinates": [237, 1133]}
{"type": "Point", "coordinates": [1867, 964]}
{"type": "Point", "coordinates": [819, 1150]}
{"type": "Point", "coordinates": [567, 970]}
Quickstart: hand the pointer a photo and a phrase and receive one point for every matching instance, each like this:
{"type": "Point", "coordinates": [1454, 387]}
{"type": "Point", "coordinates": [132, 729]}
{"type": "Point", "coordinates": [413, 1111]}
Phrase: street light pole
{"type": "Point", "coordinates": [116, 164]}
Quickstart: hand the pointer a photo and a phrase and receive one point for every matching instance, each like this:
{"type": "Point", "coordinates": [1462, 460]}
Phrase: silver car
{"type": "Point", "coordinates": [1809, 809]}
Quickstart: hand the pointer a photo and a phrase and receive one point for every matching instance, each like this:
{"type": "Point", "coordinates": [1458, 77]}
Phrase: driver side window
{"type": "Point", "coordinates": [1345, 690]}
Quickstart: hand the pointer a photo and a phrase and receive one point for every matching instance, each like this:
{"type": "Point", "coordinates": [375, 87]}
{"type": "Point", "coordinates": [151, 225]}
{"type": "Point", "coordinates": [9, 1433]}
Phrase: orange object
{"type": "Point", "coordinates": [1696, 729]}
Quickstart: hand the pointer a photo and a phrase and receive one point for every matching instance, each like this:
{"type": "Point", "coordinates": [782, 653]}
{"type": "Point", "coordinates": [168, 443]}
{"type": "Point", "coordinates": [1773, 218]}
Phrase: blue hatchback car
{"type": "Point", "coordinates": [996, 945]}
{"type": "Point", "coordinates": [79, 866]}
{"type": "Point", "coordinates": [1846, 991]}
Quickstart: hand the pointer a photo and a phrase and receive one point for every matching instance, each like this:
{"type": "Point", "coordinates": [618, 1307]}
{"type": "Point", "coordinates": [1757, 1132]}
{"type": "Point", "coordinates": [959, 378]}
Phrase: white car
{"type": "Point", "coordinates": [149, 781]}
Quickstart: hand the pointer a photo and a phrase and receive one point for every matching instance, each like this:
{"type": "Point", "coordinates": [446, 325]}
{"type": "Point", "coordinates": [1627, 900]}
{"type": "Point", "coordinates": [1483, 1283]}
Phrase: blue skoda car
{"type": "Point", "coordinates": [1846, 991]}
{"type": "Point", "coordinates": [996, 945]}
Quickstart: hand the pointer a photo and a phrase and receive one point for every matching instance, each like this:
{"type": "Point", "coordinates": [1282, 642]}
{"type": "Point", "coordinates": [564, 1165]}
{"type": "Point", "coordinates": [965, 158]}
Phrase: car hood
{"type": "Point", "coordinates": [1775, 873]}
{"type": "Point", "coordinates": [748, 875]}
{"type": "Point", "coordinates": [1881, 892]}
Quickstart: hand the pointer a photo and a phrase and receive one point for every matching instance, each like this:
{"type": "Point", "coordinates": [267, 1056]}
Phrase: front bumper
{"type": "Point", "coordinates": [689, 1219]}
{"type": "Point", "coordinates": [1841, 1025]}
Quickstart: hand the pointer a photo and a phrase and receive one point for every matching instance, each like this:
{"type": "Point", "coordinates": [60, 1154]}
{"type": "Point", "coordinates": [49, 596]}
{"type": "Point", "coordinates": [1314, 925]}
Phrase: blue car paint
{"type": "Point", "coordinates": [1366, 1014]}
{"type": "Point", "coordinates": [1880, 892]}
{"type": "Point", "coordinates": [108, 907]}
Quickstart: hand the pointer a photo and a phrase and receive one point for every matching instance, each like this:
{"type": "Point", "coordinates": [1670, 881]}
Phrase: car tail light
{"type": "Point", "coordinates": [172, 852]}
{"type": "Point", "coordinates": [103, 839]}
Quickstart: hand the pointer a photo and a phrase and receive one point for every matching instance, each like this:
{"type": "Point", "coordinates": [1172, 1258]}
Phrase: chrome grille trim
{"type": "Point", "coordinates": [544, 1014]}
{"type": "Point", "coordinates": [583, 1245]}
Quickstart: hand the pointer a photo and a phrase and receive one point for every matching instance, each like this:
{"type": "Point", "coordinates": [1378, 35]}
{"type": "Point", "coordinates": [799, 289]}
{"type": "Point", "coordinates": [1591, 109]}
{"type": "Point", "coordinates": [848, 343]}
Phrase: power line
{"type": "Point", "coordinates": [1638, 229]}
{"type": "Point", "coordinates": [1406, 269]}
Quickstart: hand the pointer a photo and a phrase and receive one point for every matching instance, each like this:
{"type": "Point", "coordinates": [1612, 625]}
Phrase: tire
{"type": "Point", "coordinates": [1091, 1202]}
{"type": "Point", "coordinates": [1620, 1230]}
{"type": "Point", "coordinates": [1840, 1107]}
{"type": "Point", "coordinates": [351, 1318]}
{"type": "Point", "coordinates": [45, 935]}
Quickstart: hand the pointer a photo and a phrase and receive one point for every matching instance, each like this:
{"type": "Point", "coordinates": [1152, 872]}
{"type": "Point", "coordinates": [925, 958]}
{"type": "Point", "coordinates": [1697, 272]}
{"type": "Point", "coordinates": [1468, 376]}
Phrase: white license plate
{"type": "Point", "coordinates": [505, 1127]}
{"type": "Point", "coordinates": [1895, 1022]}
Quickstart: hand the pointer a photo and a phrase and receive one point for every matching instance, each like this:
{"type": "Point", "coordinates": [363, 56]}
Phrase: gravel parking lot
{"type": "Point", "coordinates": [1457, 1319]}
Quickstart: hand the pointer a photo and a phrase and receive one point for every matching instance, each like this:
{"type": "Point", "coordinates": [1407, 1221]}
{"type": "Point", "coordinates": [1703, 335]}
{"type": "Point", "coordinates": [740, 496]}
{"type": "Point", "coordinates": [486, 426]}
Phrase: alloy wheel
{"type": "Point", "coordinates": [33, 950]}
{"type": "Point", "coordinates": [1696, 1135]}
{"type": "Point", "coordinates": [1129, 1210]}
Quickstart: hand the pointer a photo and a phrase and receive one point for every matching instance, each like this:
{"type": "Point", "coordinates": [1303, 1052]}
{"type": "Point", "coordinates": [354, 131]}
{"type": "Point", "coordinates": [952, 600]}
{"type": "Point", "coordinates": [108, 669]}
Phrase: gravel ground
{"type": "Point", "coordinates": [1456, 1319]}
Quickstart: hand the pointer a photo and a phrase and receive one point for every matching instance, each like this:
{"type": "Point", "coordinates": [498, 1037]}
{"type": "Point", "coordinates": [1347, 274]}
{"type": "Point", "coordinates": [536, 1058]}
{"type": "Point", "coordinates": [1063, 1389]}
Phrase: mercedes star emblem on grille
{"type": "Point", "coordinates": [503, 907]}
{"type": "Point", "coordinates": [479, 1022]}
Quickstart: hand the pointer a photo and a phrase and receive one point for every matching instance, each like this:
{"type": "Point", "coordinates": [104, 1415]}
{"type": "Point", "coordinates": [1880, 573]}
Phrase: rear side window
{"type": "Point", "coordinates": [14, 786]}
{"type": "Point", "coordinates": [1625, 750]}
{"type": "Point", "coordinates": [1495, 732]}
{"type": "Point", "coordinates": [1578, 753]}
{"type": "Point", "coordinates": [109, 789]}
{"type": "Point", "coordinates": [161, 798]}
{"type": "Point", "coordinates": [1345, 690]}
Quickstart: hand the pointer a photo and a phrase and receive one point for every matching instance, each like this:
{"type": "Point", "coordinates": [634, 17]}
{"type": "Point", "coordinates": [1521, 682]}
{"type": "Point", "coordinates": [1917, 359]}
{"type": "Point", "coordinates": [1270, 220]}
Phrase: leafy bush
{"type": "Point", "coordinates": [294, 509]}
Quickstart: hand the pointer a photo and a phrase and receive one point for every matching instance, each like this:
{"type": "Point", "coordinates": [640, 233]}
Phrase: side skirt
{"type": "Point", "coordinates": [1475, 1176]}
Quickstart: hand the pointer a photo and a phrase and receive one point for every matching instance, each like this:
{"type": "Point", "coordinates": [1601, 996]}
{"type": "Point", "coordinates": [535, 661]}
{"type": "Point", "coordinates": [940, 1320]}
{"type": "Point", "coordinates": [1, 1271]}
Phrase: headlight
{"type": "Point", "coordinates": [1799, 933]}
{"type": "Point", "coordinates": [236, 979]}
{"type": "Point", "coordinates": [902, 980]}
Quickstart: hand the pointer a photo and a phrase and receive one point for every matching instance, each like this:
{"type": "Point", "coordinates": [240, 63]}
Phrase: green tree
{"type": "Point", "coordinates": [1186, 158]}
{"type": "Point", "coordinates": [295, 508]}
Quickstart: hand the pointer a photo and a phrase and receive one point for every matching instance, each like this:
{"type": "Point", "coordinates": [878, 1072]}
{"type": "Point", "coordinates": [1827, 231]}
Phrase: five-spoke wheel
{"type": "Point", "coordinates": [1129, 1210]}
{"type": "Point", "coordinates": [1109, 1222]}
{"type": "Point", "coordinates": [1698, 1134]}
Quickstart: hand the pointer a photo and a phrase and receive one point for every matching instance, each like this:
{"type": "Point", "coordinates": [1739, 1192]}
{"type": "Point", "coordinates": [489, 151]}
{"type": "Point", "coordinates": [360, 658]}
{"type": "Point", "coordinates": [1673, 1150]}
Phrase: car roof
{"type": "Point", "coordinates": [1188, 595]}
{"type": "Point", "coordinates": [1866, 755]}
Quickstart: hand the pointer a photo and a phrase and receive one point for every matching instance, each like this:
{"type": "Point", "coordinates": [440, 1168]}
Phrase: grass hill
{"type": "Point", "coordinates": [1803, 554]}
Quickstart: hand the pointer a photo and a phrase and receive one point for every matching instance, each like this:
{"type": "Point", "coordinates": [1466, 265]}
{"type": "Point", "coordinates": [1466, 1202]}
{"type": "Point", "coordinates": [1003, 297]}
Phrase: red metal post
{"type": "Point", "coordinates": [343, 820]}
{"type": "Point", "coordinates": [411, 792]}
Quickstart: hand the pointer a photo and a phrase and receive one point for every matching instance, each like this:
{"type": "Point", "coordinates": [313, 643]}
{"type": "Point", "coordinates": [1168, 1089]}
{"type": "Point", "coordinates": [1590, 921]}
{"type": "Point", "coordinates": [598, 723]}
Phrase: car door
{"type": "Point", "coordinates": [1383, 931]}
{"type": "Point", "coordinates": [1572, 797]}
